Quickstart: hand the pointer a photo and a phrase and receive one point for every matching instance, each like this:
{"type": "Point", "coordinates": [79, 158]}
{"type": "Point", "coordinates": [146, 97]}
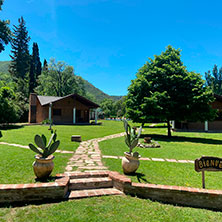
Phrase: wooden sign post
{"type": "Point", "coordinates": [207, 163]}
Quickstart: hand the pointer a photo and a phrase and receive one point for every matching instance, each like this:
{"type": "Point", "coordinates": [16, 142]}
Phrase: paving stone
{"type": "Point", "coordinates": [182, 161]}
{"type": "Point", "coordinates": [190, 161]}
{"type": "Point", "coordinates": [89, 161]}
{"type": "Point", "coordinates": [145, 158]}
{"type": "Point", "coordinates": [110, 157]}
{"type": "Point", "coordinates": [171, 160]}
{"type": "Point", "coordinates": [68, 168]}
{"type": "Point", "coordinates": [93, 168]}
{"type": "Point", "coordinates": [157, 159]}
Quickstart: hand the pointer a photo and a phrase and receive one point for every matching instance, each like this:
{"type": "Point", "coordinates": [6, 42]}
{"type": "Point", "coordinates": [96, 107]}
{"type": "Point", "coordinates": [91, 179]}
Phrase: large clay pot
{"type": "Point", "coordinates": [43, 166]}
{"type": "Point", "coordinates": [130, 163]}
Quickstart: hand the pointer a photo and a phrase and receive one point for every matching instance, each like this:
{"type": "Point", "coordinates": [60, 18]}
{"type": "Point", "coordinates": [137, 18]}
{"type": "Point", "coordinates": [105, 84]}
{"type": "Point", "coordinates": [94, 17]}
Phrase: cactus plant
{"type": "Point", "coordinates": [43, 149]}
{"type": "Point", "coordinates": [131, 138]}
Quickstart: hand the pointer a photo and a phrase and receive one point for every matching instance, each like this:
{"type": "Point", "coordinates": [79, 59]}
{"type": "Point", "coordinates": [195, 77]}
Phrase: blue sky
{"type": "Point", "coordinates": [107, 41]}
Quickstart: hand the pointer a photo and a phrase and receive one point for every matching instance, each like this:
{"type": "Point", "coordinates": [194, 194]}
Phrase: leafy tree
{"type": "Point", "coordinates": [5, 33]}
{"type": "Point", "coordinates": [35, 67]}
{"type": "Point", "coordinates": [59, 80]}
{"type": "Point", "coordinates": [165, 90]}
{"type": "Point", "coordinates": [20, 63]}
{"type": "Point", "coordinates": [107, 106]}
{"type": "Point", "coordinates": [120, 107]}
{"type": "Point", "coordinates": [214, 80]}
{"type": "Point", "coordinates": [9, 111]}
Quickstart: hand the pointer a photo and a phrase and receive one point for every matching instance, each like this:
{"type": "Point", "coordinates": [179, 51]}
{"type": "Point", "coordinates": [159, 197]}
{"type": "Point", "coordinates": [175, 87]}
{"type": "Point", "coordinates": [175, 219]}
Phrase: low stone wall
{"type": "Point", "coordinates": [186, 196]}
{"type": "Point", "coordinates": [17, 193]}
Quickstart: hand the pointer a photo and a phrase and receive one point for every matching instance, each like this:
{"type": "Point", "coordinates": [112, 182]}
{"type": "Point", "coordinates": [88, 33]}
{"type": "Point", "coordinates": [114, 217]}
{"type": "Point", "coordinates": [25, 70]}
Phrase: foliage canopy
{"type": "Point", "coordinates": [59, 80]}
{"type": "Point", "coordinates": [164, 90]}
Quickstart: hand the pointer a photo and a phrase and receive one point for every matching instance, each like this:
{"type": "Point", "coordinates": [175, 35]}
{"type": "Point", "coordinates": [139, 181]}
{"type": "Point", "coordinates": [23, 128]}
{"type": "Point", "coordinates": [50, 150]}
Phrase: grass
{"type": "Point", "coordinates": [178, 174]}
{"type": "Point", "coordinates": [181, 146]}
{"type": "Point", "coordinates": [110, 208]}
{"type": "Point", "coordinates": [16, 164]}
{"type": "Point", "coordinates": [25, 134]}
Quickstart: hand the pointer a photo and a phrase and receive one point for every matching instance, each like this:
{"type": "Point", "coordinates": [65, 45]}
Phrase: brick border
{"type": "Point", "coordinates": [185, 196]}
{"type": "Point", "coordinates": [33, 192]}
{"type": "Point", "coordinates": [59, 190]}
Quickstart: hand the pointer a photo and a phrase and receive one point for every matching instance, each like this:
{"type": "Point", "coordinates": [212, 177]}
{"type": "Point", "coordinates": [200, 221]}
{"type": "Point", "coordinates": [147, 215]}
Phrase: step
{"type": "Point", "coordinates": [92, 168]}
{"type": "Point", "coordinates": [88, 174]}
{"type": "Point", "coordinates": [77, 194]}
{"type": "Point", "coordinates": [90, 183]}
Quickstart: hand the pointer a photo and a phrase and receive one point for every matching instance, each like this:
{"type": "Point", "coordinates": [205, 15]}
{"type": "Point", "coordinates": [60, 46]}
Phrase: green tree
{"type": "Point", "coordinates": [214, 80]}
{"type": "Point", "coordinates": [9, 110]}
{"type": "Point", "coordinates": [5, 33]}
{"type": "Point", "coordinates": [59, 80]}
{"type": "Point", "coordinates": [35, 67]}
{"type": "Point", "coordinates": [120, 107]}
{"type": "Point", "coordinates": [165, 90]}
{"type": "Point", "coordinates": [107, 106]}
{"type": "Point", "coordinates": [20, 63]}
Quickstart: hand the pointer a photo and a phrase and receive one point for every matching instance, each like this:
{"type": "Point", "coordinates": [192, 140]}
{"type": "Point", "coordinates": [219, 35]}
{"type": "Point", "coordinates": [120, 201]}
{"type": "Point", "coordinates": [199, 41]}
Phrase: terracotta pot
{"type": "Point", "coordinates": [43, 166]}
{"type": "Point", "coordinates": [130, 163]}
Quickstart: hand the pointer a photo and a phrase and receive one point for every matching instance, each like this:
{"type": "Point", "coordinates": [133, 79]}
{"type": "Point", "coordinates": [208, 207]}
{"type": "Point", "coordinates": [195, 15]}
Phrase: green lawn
{"type": "Point", "coordinates": [178, 174]}
{"type": "Point", "coordinates": [24, 135]}
{"type": "Point", "coordinates": [16, 164]}
{"type": "Point", "coordinates": [110, 208]}
{"type": "Point", "coordinates": [181, 146]}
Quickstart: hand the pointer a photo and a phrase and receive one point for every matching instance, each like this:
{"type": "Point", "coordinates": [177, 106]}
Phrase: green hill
{"type": "Point", "coordinates": [4, 66]}
{"type": "Point", "coordinates": [91, 89]}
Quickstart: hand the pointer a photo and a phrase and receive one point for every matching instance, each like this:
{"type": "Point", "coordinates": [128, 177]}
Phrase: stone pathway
{"type": "Point", "coordinates": [88, 155]}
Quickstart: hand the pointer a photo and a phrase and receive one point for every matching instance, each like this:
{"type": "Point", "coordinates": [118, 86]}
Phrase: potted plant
{"type": "Point", "coordinates": [43, 165]}
{"type": "Point", "coordinates": [130, 162]}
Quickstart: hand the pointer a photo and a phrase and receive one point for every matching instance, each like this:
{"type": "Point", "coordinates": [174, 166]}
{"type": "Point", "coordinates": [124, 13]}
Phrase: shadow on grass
{"type": "Point", "coordinates": [46, 180]}
{"type": "Point", "coordinates": [182, 139]}
{"type": "Point", "coordinates": [10, 127]}
{"type": "Point", "coordinates": [140, 177]}
{"type": "Point", "coordinates": [151, 127]}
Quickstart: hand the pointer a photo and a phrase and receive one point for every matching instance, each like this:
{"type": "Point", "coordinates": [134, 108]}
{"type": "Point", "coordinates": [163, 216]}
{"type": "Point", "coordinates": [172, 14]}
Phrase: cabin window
{"type": "Point", "coordinates": [57, 112]}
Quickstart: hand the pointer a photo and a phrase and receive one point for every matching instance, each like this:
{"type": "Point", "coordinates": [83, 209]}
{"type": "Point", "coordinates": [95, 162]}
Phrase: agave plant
{"type": "Point", "coordinates": [43, 149]}
{"type": "Point", "coordinates": [131, 138]}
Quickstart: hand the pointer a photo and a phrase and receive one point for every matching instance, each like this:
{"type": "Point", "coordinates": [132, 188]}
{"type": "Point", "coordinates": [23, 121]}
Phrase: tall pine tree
{"type": "Point", "coordinates": [35, 67]}
{"type": "Point", "coordinates": [45, 65]}
{"type": "Point", "coordinates": [20, 66]}
{"type": "Point", "coordinates": [20, 63]}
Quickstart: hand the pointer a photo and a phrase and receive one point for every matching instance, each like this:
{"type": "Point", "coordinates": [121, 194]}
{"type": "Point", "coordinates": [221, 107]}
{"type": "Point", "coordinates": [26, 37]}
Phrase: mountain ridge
{"type": "Point", "coordinates": [89, 87]}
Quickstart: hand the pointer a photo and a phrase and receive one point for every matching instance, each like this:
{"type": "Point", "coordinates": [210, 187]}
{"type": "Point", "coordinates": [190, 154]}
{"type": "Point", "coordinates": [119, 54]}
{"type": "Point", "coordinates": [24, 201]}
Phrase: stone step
{"type": "Point", "coordinates": [90, 183]}
{"type": "Point", "coordinates": [92, 168]}
{"type": "Point", "coordinates": [77, 194]}
{"type": "Point", "coordinates": [88, 174]}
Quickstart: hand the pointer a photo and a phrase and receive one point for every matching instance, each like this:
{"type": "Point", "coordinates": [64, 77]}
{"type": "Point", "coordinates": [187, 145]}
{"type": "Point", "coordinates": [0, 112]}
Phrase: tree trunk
{"type": "Point", "coordinates": [169, 128]}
